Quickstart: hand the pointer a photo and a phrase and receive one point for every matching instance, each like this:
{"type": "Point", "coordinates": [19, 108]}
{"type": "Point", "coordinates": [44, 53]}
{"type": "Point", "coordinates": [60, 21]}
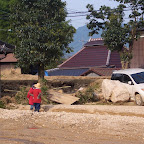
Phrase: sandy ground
{"type": "Point", "coordinates": [73, 124]}
{"type": "Point", "coordinates": [50, 78]}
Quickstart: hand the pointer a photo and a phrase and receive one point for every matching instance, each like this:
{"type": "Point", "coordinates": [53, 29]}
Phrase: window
{"type": "Point", "coordinates": [138, 77]}
{"type": "Point", "coordinates": [126, 78]}
{"type": "Point", "coordinates": [117, 77]}
{"type": "Point", "coordinates": [122, 78]}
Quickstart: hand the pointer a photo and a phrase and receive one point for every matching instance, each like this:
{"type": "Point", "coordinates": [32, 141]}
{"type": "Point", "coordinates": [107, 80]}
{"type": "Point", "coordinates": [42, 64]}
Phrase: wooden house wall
{"type": "Point", "coordinates": [138, 54]}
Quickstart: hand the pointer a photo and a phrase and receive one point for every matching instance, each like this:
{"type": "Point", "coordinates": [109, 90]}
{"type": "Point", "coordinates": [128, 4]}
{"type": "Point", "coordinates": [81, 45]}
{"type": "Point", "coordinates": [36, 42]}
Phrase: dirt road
{"type": "Point", "coordinates": [74, 124]}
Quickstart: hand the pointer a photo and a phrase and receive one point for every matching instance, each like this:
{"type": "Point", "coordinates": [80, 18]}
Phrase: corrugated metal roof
{"type": "Point", "coordinates": [67, 72]}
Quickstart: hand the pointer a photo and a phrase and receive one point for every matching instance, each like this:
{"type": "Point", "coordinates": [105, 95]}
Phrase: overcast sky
{"type": "Point", "coordinates": [80, 5]}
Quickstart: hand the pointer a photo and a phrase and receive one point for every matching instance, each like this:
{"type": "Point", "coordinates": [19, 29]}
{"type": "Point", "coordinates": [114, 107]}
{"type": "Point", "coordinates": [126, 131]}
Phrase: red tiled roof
{"type": "Point", "coordinates": [115, 59]}
{"type": "Point", "coordinates": [94, 53]}
{"type": "Point", "coordinates": [2, 56]}
{"type": "Point", "coordinates": [90, 57]}
{"type": "Point", "coordinates": [9, 58]}
{"type": "Point", "coordinates": [101, 71]}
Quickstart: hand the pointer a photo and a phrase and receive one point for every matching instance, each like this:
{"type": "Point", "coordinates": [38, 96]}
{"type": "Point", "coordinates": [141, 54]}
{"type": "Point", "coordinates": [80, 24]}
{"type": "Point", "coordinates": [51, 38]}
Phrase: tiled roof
{"type": "Point", "coordinates": [66, 72]}
{"type": "Point", "coordinates": [87, 57]}
{"type": "Point", "coordinates": [94, 53]}
{"type": "Point", "coordinates": [100, 71]}
{"type": "Point", "coordinates": [9, 58]}
{"type": "Point", "coordinates": [90, 57]}
{"type": "Point", "coordinates": [115, 59]}
{"type": "Point", "coordinates": [2, 56]}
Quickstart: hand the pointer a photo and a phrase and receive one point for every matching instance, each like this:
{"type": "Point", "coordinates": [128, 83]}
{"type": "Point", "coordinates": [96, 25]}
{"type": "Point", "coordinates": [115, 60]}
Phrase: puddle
{"type": "Point", "coordinates": [20, 140]}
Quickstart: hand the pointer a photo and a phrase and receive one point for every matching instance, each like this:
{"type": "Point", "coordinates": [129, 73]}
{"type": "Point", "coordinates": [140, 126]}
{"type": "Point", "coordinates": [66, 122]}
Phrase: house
{"type": "Point", "coordinates": [93, 54]}
{"type": "Point", "coordinates": [7, 59]}
{"type": "Point", "coordinates": [99, 71]}
{"type": "Point", "coordinates": [138, 52]}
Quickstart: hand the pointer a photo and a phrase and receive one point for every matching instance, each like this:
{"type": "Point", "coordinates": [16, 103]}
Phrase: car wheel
{"type": "Point", "coordinates": [138, 100]}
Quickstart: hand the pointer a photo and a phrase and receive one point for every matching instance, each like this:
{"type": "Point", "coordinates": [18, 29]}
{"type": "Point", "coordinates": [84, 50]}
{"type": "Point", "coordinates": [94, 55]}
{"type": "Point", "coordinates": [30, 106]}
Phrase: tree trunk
{"type": "Point", "coordinates": [123, 64]}
{"type": "Point", "coordinates": [127, 65]}
{"type": "Point", "coordinates": [40, 73]}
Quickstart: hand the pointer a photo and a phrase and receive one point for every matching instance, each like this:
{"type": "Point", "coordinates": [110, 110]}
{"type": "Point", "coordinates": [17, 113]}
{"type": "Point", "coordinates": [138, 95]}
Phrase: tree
{"type": "Point", "coordinates": [42, 31]}
{"type": "Point", "coordinates": [116, 33]}
{"type": "Point", "coordinates": [137, 21]}
{"type": "Point", "coordinates": [4, 20]}
{"type": "Point", "coordinates": [6, 33]}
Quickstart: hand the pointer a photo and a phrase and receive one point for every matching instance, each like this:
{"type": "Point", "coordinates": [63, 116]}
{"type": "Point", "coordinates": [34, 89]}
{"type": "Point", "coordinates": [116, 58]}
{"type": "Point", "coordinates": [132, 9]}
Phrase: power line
{"type": "Point", "coordinates": [76, 15]}
{"type": "Point", "coordinates": [79, 12]}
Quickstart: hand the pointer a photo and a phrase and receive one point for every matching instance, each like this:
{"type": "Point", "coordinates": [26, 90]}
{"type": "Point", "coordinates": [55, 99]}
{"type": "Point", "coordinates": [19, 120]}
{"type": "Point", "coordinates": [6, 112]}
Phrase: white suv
{"type": "Point", "coordinates": [134, 81]}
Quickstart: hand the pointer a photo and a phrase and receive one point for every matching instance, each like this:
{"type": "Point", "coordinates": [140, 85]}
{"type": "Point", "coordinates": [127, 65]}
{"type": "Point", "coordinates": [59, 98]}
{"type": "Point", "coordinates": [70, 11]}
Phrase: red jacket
{"type": "Point", "coordinates": [30, 96]}
{"type": "Point", "coordinates": [37, 95]}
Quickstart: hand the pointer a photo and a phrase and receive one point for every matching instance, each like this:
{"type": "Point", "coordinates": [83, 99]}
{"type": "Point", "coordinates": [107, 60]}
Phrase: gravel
{"type": "Point", "coordinates": [119, 121]}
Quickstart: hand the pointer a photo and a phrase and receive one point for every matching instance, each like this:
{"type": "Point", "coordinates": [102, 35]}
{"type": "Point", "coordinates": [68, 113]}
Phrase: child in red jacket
{"type": "Point", "coordinates": [30, 97]}
{"type": "Point", "coordinates": [37, 96]}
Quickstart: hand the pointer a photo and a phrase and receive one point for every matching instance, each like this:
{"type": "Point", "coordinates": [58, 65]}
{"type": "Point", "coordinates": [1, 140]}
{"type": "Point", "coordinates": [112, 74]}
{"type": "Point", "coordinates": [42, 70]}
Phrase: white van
{"type": "Point", "coordinates": [134, 81]}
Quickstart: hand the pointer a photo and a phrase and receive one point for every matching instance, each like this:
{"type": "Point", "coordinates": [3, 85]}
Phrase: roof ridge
{"type": "Point", "coordinates": [95, 39]}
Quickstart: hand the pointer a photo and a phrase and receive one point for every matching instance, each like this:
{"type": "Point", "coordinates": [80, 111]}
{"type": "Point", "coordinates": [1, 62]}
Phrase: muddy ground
{"type": "Point", "coordinates": [69, 124]}
{"type": "Point", "coordinates": [75, 124]}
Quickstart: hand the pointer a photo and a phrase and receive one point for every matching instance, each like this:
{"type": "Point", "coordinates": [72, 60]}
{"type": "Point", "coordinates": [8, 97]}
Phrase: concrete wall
{"type": "Point", "coordinates": [9, 68]}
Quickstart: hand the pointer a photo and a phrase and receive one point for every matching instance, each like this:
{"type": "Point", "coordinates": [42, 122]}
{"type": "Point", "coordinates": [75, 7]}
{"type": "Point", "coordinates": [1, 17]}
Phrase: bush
{"type": "Point", "coordinates": [2, 105]}
{"type": "Point", "coordinates": [88, 95]}
{"type": "Point", "coordinates": [45, 94]}
{"type": "Point", "coordinates": [21, 96]}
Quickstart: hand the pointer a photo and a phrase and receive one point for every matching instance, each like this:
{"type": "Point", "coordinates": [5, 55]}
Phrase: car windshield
{"type": "Point", "coordinates": [138, 77]}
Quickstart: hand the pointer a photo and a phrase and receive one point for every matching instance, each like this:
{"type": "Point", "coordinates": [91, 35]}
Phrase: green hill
{"type": "Point", "coordinates": [80, 38]}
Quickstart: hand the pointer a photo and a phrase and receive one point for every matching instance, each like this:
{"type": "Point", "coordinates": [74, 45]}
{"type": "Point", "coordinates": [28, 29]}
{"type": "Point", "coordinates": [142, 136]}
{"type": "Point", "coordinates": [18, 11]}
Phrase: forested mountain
{"type": "Point", "coordinates": [80, 38]}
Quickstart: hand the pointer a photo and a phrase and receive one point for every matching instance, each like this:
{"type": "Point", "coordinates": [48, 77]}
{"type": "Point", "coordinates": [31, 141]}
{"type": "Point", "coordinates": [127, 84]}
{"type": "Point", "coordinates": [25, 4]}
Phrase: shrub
{"type": "Point", "coordinates": [88, 95]}
{"type": "Point", "coordinates": [21, 96]}
{"type": "Point", "coordinates": [2, 105]}
{"type": "Point", "coordinates": [45, 93]}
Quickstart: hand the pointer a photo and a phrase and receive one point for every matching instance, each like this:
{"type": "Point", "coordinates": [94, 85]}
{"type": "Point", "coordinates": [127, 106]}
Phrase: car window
{"type": "Point", "coordinates": [117, 77]}
{"type": "Point", "coordinates": [138, 77]}
{"type": "Point", "coordinates": [126, 78]}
